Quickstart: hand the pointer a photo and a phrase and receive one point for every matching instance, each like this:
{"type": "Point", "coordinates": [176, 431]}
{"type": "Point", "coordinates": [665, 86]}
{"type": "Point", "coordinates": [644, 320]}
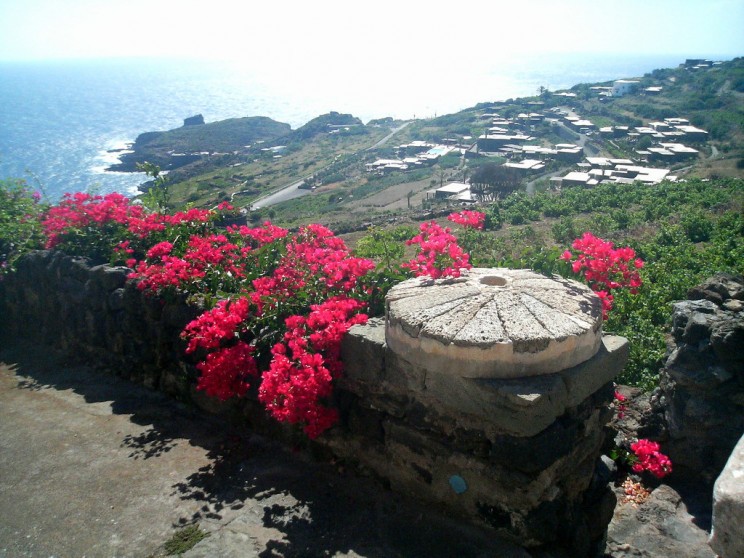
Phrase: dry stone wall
{"type": "Point", "coordinates": [518, 453]}
{"type": "Point", "coordinates": [698, 409]}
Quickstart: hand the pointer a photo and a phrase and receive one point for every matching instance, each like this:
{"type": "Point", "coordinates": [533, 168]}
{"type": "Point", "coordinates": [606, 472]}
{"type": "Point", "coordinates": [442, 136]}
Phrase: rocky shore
{"type": "Point", "coordinates": [196, 140]}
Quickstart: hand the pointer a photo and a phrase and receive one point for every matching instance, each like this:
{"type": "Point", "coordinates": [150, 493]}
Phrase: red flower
{"type": "Point", "coordinates": [469, 219]}
{"type": "Point", "coordinates": [649, 458]}
{"type": "Point", "coordinates": [604, 267]}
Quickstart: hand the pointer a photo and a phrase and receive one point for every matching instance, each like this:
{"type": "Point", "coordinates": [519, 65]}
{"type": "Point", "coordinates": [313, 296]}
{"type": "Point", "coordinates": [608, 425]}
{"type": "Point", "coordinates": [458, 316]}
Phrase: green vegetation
{"type": "Point", "coordinates": [685, 232]}
{"type": "Point", "coordinates": [345, 123]}
{"type": "Point", "coordinates": [184, 540]}
{"type": "Point", "coordinates": [20, 229]}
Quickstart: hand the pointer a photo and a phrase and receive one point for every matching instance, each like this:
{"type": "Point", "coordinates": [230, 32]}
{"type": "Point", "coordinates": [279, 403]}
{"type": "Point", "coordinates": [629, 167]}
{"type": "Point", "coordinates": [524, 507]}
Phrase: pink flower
{"type": "Point", "coordinates": [605, 267]}
{"type": "Point", "coordinates": [225, 372]}
{"type": "Point", "coordinates": [439, 254]}
{"type": "Point", "coordinates": [469, 219]}
{"type": "Point", "coordinates": [649, 458]}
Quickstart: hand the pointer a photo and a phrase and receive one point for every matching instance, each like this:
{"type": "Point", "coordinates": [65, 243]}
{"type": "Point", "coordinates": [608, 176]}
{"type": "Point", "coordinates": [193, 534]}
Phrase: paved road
{"type": "Point", "coordinates": [292, 191]}
{"type": "Point", "coordinates": [394, 131]}
{"type": "Point", "coordinates": [286, 193]}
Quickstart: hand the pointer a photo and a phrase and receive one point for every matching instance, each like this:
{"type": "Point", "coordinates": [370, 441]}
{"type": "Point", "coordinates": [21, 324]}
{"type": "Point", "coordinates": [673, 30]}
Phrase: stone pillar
{"type": "Point", "coordinates": [488, 395]}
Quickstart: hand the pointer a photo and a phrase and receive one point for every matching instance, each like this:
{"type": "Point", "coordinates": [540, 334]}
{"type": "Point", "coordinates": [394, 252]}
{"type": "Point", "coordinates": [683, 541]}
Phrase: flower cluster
{"type": "Point", "coordinates": [304, 366]}
{"type": "Point", "coordinates": [439, 254]}
{"type": "Point", "coordinates": [208, 262]}
{"type": "Point", "coordinates": [303, 285]}
{"type": "Point", "coordinates": [649, 458]}
{"type": "Point", "coordinates": [469, 219]}
{"type": "Point", "coordinates": [81, 209]}
{"type": "Point", "coordinates": [604, 267]}
{"type": "Point", "coordinates": [278, 303]}
{"type": "Point", "coordinates": [110, 227]}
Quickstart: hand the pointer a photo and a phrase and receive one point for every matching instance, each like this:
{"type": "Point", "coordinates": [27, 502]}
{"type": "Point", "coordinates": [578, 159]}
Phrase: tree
{"type": "Point", "coordinates": [492, 181]}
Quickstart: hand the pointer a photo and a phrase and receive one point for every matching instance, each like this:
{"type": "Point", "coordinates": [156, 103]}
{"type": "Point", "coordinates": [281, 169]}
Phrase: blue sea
{"type": "Point", "coordinates": [59, 121]}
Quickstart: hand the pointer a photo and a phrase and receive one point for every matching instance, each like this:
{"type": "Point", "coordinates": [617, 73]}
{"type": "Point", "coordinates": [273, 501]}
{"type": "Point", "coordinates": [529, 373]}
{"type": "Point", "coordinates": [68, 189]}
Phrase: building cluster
{"type": "Point", "coordinates": [670, 130]}
{"type": "Point", "coordinates": [699, 64]}
{"type": "Point", "coordinates": [510, 137]}
{"type": "Point", "coordinates": [416, 154]}
{"type": "Point", "coordinates": [515, 139]}
{"type": "Point", "coordinates": [600, 170]}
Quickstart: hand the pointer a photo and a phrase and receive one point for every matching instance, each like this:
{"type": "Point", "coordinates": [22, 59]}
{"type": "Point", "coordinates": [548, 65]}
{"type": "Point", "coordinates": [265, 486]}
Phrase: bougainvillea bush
{"type": "Point", "coordinates": [277, 303]}
{"type": "Point", "coordinates": [604, 267]}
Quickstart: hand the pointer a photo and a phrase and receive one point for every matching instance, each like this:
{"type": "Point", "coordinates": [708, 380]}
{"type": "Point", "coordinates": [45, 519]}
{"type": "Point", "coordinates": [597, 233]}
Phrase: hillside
{"type": "Point", "coordinates": [350, 177]}
{"type": "Point", "coordinates": [175, 148]}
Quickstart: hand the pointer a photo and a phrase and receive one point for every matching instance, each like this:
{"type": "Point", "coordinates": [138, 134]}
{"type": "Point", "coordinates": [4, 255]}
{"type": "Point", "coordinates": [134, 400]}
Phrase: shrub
{"type": "Point", "coordinates": [20, 229]}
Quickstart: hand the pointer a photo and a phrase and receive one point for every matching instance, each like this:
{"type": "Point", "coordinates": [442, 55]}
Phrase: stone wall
{"type": "Point", "coordinates": [94, 315]}
{"type": "Point", "coordinates": [521, 455]}
{"type": "Point", "coordinates": [531, 469]}
{"type": "Point", "coordinates": [699, 403]}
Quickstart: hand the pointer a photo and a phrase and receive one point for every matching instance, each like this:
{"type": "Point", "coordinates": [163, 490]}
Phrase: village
{"type": "Point", "coordinates": [657, 150]}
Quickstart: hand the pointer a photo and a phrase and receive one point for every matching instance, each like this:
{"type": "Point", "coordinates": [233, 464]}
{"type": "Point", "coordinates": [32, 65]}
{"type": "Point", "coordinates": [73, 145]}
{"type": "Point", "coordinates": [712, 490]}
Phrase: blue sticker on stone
{"type": "Point", "coordinates": [458, 484]}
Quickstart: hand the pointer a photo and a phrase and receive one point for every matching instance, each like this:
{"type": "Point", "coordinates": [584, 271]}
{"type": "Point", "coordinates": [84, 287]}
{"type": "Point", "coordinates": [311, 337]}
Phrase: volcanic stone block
{"type": "Point", "coordinates": [727, 535]}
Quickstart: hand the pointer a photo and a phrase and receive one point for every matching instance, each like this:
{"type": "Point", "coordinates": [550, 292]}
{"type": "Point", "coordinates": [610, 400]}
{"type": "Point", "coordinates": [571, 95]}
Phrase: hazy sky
{"type": "Point", "coordinates": [273, 34]}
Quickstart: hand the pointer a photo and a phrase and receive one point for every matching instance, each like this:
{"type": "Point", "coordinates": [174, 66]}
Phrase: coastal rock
{"type": "Point", "coordinates": [179, 147]}
{"type": "Point", "coordinates": [195, 120]}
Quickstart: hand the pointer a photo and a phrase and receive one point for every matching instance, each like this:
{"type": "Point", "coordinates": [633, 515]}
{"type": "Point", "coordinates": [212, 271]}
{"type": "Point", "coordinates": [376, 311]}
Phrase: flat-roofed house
{"type": "Point", "coordinates": [622, 87]}
{"type": "Point", "coordinates": [526, 165]}
{"type": "Point", "coordinates": [576, 178]}
{"type": "Point", "coordinates": [493, 142]}
{"type": "Point", "coordinates": [452, 189]}
{"type": "Point", "coordinates": [692, 133]}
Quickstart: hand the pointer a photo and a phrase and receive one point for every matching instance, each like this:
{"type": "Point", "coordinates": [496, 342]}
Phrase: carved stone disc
{"type": "Point", "coordinates": [494, 323]}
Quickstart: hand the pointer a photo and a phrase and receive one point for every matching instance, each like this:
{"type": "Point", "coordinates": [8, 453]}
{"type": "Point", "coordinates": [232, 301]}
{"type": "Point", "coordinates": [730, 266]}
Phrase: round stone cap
{"type": "Point", "coordinates": [494, 323]}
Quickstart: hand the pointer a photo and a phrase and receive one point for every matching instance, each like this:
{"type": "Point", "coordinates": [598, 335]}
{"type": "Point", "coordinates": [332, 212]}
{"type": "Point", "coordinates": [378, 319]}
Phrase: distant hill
{"type": "Point", "coordinates": [326, 123]}
{"type": "Point", "coordinates": [178, 147]}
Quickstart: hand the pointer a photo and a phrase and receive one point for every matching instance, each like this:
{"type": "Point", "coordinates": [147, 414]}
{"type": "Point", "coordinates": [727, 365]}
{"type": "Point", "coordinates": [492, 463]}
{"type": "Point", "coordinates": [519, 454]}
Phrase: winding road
{"type": "Point", "coordinates": [293, 190]}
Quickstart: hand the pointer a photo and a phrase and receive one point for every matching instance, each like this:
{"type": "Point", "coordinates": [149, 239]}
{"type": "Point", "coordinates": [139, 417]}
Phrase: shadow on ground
{"type": "Point", "coordinates": [282, 502]}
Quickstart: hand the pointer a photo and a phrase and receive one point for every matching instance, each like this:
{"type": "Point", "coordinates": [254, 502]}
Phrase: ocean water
{"type": "Point", "coordinates": [58, 120]}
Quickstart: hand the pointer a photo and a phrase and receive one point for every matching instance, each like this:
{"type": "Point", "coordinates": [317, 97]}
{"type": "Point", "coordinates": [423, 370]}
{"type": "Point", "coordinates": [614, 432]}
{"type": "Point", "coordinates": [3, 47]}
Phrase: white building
{"type": "Point", "coordinates": [623, 86]}
{"type": "Point", "coordinates": [453, 189]}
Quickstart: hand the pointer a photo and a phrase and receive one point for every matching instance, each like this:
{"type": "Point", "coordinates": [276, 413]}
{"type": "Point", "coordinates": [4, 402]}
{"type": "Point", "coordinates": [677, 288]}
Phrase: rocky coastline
{"type": "Point", "coordinates": [196, 140]}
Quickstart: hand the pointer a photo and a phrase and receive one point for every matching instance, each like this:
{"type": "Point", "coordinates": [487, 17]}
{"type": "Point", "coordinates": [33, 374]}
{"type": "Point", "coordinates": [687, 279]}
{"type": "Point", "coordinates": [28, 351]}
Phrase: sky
{"type": "Point", "coordinates": [282, 35]}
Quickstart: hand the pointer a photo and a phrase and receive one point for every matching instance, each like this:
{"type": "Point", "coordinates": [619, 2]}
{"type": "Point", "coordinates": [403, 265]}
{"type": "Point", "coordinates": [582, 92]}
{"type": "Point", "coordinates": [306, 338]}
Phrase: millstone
{"type": "Point", "coordinates": [494, 323]}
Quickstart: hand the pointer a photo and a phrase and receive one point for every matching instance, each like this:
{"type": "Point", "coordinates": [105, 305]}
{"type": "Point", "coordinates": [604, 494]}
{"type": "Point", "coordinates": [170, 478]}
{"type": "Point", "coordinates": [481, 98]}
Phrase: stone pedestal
{"type": "Point", "coordinates": [488, 395]}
